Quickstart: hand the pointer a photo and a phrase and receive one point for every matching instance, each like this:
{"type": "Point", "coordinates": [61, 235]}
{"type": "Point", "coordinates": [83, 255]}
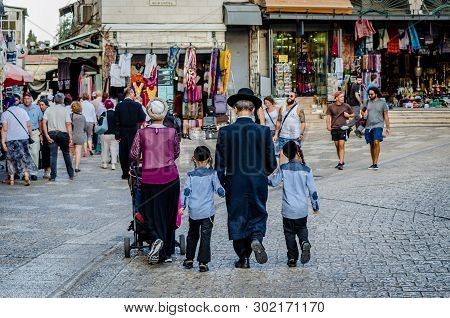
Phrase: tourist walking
{"type": "Point", "coordinates": [16, 133]}
{"type": "Point", "coordinates": [36, 115]}
{"type": "Point", "coordinates": [159, 147]}
{"type": "Point", "coordinates": [376, 116]}
{"type": "Point", "coordinates": [291, 123]}
{"type": "Point", "coordinates": [270, 114]}
{"type": "Point", "coordinates": [198, 198]}
{"type": "Point", "coordinates": [91, 120]}
{"type": "Point", "coordinates": [79, 132]}
{"type": "Point", "coordinates": [57, 128]}
{"type": "Point", "coordinates": [337, 115]}
{"type": "Point", "coordinates": [129, 116]}
{"type": "Point", "coordinates": [244, 158]}
{"type": "Point", "coordinates": [110, 146]}
{"type": "Point", "coordinates": [45, 149]}
{"type": "Point", "coordinates": [298, 187]}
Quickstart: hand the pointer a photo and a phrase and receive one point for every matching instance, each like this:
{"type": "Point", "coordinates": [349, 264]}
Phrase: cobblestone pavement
{"type": "Point", "coordinates": [380, 233]}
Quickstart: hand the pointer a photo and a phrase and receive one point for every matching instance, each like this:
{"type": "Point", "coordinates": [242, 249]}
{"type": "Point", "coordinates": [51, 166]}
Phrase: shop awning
{"type": "Point", "coordinates": [310, 6]}
{"type": "Point", "coordinates": [14, 75]}
{"type": "Point", "coordinates": [242, 14]}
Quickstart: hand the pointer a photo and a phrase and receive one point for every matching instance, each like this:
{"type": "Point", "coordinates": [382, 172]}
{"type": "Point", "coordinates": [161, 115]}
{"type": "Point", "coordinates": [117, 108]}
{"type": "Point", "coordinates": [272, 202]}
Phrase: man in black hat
{"type": "Point", "coordinates": [244, 158]}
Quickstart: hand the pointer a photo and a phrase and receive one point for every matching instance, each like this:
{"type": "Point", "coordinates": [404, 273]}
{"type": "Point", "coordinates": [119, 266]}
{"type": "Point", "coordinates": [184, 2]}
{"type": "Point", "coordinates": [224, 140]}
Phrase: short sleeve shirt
{"type": "Point", "coordinates": [337, 115]}
{"type": "Point", "coordinates": [57, 117]}
{"type": "Point", "coordinates": [375, 113]}
{"type": "Point", "coordinates": [352, 99]}
{"type": "Point", "coordinates": [15, 130]}
{"type": "Point", "coordinates": [35, 114]}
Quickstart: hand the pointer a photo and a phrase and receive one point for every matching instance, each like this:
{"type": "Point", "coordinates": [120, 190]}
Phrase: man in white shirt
{"type": "Point", "coordinates": [91, 120]}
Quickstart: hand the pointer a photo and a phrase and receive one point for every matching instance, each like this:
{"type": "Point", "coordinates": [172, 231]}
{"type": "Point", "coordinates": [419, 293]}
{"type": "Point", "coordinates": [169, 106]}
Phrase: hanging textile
{"type": "Point", "coordinates": [125, 64]}
{"type": "Point", "coordinates": [116, 79]}
{"type": "Point", "coordinates": [225, 68]}
{"type": "Point", "coordinates": [339, 68]}
{"type": "Point", "coordinates": [384, 39]}
{"type": "Point", "coordinates": [190, 74]}
{"type": "Point", "coordinates": [404, 39]}
{"type": "Point", "coordinates": [85, 85]}
{"type": "Point", "coordinates": [335, 48]}
{"type": "Point", "coordinates": [394, 42]}
{"type": "Point", "coordinates": [363, 28]}
{"type": "Point", "coordinates": [109, 58]}
{"type": "Point", "coordinates": [212, 89]}
{"type": "Point", "coordinates": [415, 44]}
{"type": "Point", "coordinates": [174, 55]}
{"type": "Point", "coordinates": [150, 65]}
{"type": "Point", "coordinates": [64, 74]}
{"type": "Point", "coordinates": [369, 43]}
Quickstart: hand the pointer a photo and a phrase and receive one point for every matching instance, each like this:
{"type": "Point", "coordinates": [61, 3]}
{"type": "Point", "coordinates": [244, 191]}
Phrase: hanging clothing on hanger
{"type": "Point", "coordinates": [384, 39]}
{"type": "Point", "coordinates": [394, 43]}
{"type": "Point", "coordinates": [363, 28]}
{"type": "Point", "coordinates": [225, 68]}
{"type": "Point", "coordinates": [150, 65]}
{"type": "Point", "coordinates": [404, 39]}
{"type": "Point", "coordinates": [174, 55]}
{"type": "Point", "coordinates": [415, 43]}
{"type": "Point", "coordinates": [190, 73]}
{"type": "Point", "coordinates": [125, 64]}
{"type": "Point", "coordinates": [369, 43]}
{"type": "Point", "coordinates": [116, 79]}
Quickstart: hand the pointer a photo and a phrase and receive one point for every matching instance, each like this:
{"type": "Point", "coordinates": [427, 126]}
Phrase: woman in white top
{"type": "Point", "coordinates": [16, 131]}
{"type": "Point", "coordinates": [270, 114]}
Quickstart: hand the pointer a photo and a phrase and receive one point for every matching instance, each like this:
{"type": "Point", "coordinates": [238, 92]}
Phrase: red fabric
{"type": "Point", "coordinates": [394, 41]}
{"type": "Point", "coordinates": [363, 28]}
{"type": "Point", "coordinates": [335, 48]}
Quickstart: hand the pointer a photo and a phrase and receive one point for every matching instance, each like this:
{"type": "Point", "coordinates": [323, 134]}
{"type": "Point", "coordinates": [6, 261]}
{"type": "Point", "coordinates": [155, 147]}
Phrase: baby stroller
{"type": "Point", "coordinates": [137, 224]}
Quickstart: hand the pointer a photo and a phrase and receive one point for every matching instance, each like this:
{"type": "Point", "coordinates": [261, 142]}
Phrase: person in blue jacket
{"type": "Point", "coordinates": [245, 157]}
{"type": "Point", "coordinates": [298, 186]}
{"type": "Point", "coordinates": [198, 197]}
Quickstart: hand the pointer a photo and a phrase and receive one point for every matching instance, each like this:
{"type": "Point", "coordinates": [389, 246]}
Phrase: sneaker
{"type": "Point", "coordinates": [113, 167]}
{"type": "Point", "coordinates": [340, 167]}
{"type": "Point", "coordinates": [77, 170]}
{"type": "Point", "coordinates": [292, 263]}
{"type": "Point", "coordinates": [188, 264]}
{"type": "Point", "coordinates": [33, 178]}
{"type": "Point", "coordinates": [375, 167]}
{"type": "Point", "coordinates": [306, 253]}
{"type": "Point", "coordinates": [104, 166]}
{"type": "Point", "coordinates": [260, 251]}
{"type": "Point", "coordinates": [153, 256]}
{"type": "Point", "coordinates": [168, 260]}
{"type": "Point", "coordinates": [203, 267]}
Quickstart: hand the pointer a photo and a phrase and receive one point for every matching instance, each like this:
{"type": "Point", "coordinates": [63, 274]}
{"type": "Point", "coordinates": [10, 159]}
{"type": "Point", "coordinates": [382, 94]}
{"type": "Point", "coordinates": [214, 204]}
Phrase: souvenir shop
{"type": "Point", "coordinates": [193, 81]}
{"type": "Point", "coordinates": [410, 60]}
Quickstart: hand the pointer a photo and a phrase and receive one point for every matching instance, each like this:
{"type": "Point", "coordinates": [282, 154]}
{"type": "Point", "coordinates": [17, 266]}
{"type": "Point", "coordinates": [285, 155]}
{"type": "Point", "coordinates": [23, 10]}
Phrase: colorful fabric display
{"type": "Point", "coordinates": [415, 44]}
{"type": "Point", "coordinates": [363, 28]}
{"type": "Point", "coordinates": [225, 68]}
{"type": "Point", "coordinates": [394, 42]}
{"type": "Point", "coordinates": [150, 65]}
{"type": "Point", "coordinates": [174, 55]}
{"type": "Point", "coordinates": [190, 74]}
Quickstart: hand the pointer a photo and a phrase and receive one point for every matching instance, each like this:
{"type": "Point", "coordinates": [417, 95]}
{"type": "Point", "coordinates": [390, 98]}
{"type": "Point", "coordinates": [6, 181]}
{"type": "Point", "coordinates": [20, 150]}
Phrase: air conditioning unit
{"type": "Point", "coordinates": [86, 13]}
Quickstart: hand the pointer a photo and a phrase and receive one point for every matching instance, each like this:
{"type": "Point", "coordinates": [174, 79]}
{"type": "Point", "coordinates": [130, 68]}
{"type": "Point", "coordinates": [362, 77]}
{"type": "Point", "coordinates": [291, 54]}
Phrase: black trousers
{"type": "Point", "coordinates": [293, 228]}
{"type": "Point", "coordinates": [126, 141]}
{"type": "Point", "coordinates": [200, 229]}
{"type": "Point", "coordinates": [61, 140]}
{"type": "Point", "coordinates": [160, 209]}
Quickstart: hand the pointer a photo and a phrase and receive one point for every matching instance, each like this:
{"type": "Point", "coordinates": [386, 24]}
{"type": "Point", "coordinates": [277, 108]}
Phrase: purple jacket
{"type": "Point", "coordinates": [160, 147]}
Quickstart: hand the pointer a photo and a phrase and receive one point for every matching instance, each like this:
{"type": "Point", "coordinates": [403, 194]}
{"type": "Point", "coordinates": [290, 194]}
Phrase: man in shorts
{"type": "Point", "coordinates": [337, 115]}
{"type": "Point", "coordinates": [376, 114]}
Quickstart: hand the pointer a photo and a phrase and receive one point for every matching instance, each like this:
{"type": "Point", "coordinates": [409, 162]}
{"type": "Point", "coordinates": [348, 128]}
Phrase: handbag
{"type": "Point", "coordinates": [30, 140]}
{"type": "Point", "coordinates": [101, 129]}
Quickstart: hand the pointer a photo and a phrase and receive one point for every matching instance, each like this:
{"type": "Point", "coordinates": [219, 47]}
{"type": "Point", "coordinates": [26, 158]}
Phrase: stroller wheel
{"type": "Point", "coordinates": [182, 244]}
{"type": "Point", "coordinates": [127, 248]}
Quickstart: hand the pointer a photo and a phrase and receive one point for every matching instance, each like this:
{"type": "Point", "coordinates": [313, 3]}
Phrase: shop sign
{"type": "Point", "coordinates": [283, 58]}
{"type": "Point", "coordinates": [163, 2]}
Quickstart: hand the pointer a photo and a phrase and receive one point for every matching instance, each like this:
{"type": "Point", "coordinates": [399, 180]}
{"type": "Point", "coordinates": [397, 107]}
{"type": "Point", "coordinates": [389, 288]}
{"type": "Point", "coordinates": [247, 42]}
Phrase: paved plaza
{"type": "Point", "coordinates": [380, 233]}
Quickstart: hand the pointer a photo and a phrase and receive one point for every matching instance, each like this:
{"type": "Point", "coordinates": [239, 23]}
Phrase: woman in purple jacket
{"type": "Point", "coordinates": [159, 147]}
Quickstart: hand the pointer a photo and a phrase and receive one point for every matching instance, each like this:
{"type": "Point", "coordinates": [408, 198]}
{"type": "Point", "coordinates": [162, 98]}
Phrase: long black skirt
{"type": "Point", "coordinates": [160, 208]}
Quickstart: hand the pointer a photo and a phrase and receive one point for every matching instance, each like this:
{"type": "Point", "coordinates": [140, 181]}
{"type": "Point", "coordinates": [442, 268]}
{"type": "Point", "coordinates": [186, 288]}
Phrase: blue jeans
{"type": "Point", "coordinates": [61, 140]}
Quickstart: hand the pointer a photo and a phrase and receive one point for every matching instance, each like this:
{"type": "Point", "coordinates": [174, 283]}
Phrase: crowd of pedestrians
{"type": "Point", "coordinates": [245, 162]}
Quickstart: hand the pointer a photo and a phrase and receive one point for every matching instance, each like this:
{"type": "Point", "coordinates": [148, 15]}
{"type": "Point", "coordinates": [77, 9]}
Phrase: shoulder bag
{"type": "Point", "coordinates": [101, 129]}
{"type": "Point", "coordinates": [30, 140]}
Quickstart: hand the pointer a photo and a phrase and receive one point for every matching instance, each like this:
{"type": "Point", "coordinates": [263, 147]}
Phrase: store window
{"type": "Point", "coordinates": [300, 63]}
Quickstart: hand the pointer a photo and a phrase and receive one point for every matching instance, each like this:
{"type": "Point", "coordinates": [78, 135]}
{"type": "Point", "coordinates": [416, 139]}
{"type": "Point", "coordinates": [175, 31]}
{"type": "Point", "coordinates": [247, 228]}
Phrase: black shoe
{"type": "Point", "coordinates": [242, 263]}
{"type": "Point", "coordinates": [260, 252]}
{"type": "Point", "coordinates": [373, 167]}
{"type": "Point", "coordinates": [71, 178]}
{"type": "Point", "coordinates": [292, 263]}
{"type": "Point", "coordinates": [188, 264]}
{"type": "Point", "coordinates": [77, 170]}
{"type": "Point", "coordinates": [33, 178]}
{"type": "Point", "coordinates": [306, 253]}
{"type": "Point", "coordinates": [203, 267]}
{"type": "Point", "coordinates": [340, 167]}
{"type": "Point", "coordinates": [91, 153]}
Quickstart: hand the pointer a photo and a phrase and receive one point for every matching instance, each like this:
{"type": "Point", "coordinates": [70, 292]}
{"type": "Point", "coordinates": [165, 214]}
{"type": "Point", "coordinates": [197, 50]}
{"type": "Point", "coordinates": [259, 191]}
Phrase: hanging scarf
{"type": "Point", "coordinates": [225, 67]}
{"type": "Point", "coordinates": [174, 55]}
{"type": "Point", "coordinates": [415, 44]}
{"type": "Point", "coordinates": [190, 73]}
{"type": "Point", "coordinates": [212, 88]}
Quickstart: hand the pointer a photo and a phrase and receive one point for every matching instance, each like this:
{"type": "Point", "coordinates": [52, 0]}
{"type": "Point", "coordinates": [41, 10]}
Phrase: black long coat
{"type": "Point", "coordinates": [244, 158]}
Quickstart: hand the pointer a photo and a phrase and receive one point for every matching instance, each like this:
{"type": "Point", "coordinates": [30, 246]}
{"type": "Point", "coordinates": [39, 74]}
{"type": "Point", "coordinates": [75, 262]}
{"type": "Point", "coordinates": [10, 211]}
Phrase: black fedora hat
{"type": "Point", "coordinates": [244, 94]}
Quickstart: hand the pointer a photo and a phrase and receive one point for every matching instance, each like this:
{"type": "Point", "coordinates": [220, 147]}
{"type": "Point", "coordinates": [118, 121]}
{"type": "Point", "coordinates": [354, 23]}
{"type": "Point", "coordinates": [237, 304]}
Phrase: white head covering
{"type": "Point", "coordinates": [157, 109]}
